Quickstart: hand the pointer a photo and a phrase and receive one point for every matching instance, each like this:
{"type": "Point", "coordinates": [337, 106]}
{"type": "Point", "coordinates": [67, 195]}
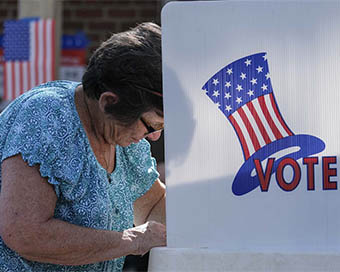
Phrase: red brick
{"type": "Point", "coordinates": [145, 2]}
{"type": "Point", "coordinates": [102, 26]}
{"type": "Point", "coordinates": [73, 2]}
{"type": "Point", "coordinates": [127, 25]}
{"type": "Point", "coordinates": [9, 2]}
{"type": "Point", "coordinates": [14, 14]}
{"type": "Point", "coordinates": [67, 13]}
{"type": "Point", "coordinates": [67, 25]}
{"type": "Point", "coordinates": [89, 13]}
{"type": "Point", "coordinates": [93, 37]}
{"type": "Point", "coordinates": [3, 13]}
{"type": "Point", "coordinates": [122, 13]}
{"type": "Point", "coordinates": [112, 2]}
{"type": "Point", "coordinates": [149, 13]}
{"type": "Point", "coordinates": [105, 2]}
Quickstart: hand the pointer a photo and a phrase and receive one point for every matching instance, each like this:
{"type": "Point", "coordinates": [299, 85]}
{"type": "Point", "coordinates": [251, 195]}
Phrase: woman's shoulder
{"type": "Point", "coordinates": [54, 92]}
{"type": "Point", "coordinates": [43, 127]}
{"type": "Point", "coordinates": [137, 150]}
{"type": "Point", "coordinates": [136, 156]}
{"type": "Point", "coordinates": [44, 115]}
{"type": "Point", "coordinates": [49, 102]}
{"type": "Point", "coordinates": [42, 99]}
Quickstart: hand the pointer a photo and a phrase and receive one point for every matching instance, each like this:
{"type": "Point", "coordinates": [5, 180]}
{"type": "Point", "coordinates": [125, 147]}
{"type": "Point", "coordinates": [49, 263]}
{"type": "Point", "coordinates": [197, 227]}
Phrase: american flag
{"type": "Point", "coordinates": [243, 92]}
{"type": "Point", "coordinates": [29, 55]}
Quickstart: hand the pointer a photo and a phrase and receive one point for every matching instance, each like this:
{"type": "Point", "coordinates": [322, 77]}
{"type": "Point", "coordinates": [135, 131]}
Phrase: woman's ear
{"type": "Point", "coordinates": [107, 99]}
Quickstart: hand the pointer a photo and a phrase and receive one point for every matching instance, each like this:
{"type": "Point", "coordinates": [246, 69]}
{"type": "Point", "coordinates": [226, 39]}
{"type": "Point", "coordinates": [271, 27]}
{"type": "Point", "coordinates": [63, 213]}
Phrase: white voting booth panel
{"type": "Point", "coordinates": [251, 92]}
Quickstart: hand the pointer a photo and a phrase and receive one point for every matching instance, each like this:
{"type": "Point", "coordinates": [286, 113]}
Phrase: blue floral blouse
{"type": "Point", "coordinates": [44, 127]}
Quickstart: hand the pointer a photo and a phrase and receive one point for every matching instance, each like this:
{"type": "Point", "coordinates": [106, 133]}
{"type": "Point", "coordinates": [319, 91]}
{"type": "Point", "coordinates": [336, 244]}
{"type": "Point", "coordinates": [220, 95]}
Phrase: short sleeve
{"type": "Point", "coordinates": [42, 132]}
{"type": "Point", "coordinates": [143, 168]}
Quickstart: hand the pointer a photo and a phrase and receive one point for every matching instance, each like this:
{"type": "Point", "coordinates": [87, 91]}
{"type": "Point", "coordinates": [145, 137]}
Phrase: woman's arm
{"type": "Point", "coordinates": [151, 206]}
{"type": "Point", "coordinates": [27, 226]}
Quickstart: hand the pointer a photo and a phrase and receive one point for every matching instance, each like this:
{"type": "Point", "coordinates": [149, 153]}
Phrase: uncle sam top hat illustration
{"type": "Point", "coordinates": [243, 92]}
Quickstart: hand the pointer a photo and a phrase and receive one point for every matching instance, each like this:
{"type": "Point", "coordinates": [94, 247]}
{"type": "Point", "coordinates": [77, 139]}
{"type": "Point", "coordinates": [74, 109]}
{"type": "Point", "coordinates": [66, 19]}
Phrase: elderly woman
{"type": "Point", "coordinates": [76, 171]}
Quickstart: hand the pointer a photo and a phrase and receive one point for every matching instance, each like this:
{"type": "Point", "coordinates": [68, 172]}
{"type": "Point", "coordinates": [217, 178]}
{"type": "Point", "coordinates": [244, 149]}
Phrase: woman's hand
{"type": "Point", "coordinates": [146, 236]}
{"type": "Point", "coordinates": [28, 226]}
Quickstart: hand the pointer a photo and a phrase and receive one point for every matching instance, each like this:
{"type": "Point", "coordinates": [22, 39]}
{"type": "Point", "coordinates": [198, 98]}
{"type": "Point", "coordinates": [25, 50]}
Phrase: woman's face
{"type": "Point", "coordinates": [149, 126]}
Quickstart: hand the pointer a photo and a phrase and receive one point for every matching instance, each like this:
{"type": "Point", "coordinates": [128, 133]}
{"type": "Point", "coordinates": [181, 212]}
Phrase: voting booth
{"type": "Point", "coordinates": [252, 118]}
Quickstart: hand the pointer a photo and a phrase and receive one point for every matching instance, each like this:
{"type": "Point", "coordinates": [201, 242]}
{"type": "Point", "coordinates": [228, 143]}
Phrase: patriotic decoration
{"type": "Point", "coordinates": [73, 56]}
{"type": "Point", "coordinates": [243, 92]}
{"type": "Point", "coordinates": [29, 55]}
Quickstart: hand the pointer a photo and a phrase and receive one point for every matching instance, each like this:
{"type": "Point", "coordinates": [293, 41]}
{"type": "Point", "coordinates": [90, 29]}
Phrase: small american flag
{"type": "Point", "coordinates": [243, 92]}
{"type": "Point", "coordinates": [29, 55]}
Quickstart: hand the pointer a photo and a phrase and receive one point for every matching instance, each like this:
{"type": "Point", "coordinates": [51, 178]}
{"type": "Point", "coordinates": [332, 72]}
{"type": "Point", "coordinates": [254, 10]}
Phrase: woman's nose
{"type": "Point", "coordinates": [154, 136]}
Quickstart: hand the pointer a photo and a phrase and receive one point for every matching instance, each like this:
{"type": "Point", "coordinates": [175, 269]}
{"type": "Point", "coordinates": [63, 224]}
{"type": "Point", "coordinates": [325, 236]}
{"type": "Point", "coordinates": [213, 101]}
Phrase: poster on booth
{"type": "Point", "coordinates": [73, 56]}
{"type": "Point", "coordinates": [252, 121]}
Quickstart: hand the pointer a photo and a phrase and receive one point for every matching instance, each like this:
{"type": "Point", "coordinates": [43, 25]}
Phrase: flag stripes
{"type": "Point", "coordinates": [258, 123]}
{"type": "Point", "coordinates": [24, 71]}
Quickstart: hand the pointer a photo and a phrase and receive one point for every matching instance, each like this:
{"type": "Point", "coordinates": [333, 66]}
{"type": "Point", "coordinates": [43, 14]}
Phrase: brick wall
{"type": "Point", "coordinates": [97, 18]}
{"type": "Point", "coordinates": [8, 10]}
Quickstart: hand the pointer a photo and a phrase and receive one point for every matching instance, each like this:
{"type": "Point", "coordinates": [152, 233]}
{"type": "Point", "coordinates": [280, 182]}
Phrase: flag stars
{"type": "Point", "coordinates": [267, 76]}
{"type": "Point", "coordinates": [239, 100]}
{"type": "Point", "coordinates": [218, 104]}
{"type": "Point", "coordinates": [228, 108]}
{"type": "Point", "coordinates": [250, 93]}
{"type": "Point", "coordinates": [239, 87]}
{"type": "Point", "coordinates": [253, 81]}
{"type": "Point", "coordinates": [229, 71]}
{"type": "Point", "coordinates": [264, 87]}
{"type": "Point", "coordinates": [259, 69]}
{"type": "Point", "coordinates": [215, 81]}
{"type": "Point", "coordinates": [227, 95]}
{"type": "Point", "coordinates": [243, 76]}
{"type": "Point", "coordinates": [264, 57]}
{"type": "Point", "coordinates": [247, 62]}
{"type": "Point", "coordinates": [228, 84]}
{"type": "Point", "coordinates": [216, 93]}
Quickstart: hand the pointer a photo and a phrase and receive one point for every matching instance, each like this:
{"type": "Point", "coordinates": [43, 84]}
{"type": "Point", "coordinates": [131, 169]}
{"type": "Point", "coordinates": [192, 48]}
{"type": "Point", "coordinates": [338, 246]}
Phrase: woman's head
{"type": "Point", "coordinates": [129, 65]}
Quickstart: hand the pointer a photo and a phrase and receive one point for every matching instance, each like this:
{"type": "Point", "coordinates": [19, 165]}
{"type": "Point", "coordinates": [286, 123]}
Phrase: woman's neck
{"type": "Point", "coordinates": [94, 125]}
{"type": "Point", "coordinates": [92, 118]}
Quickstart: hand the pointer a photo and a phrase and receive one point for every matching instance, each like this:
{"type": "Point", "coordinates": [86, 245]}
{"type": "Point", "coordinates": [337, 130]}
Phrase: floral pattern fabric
{"type": "Point", "coordinates": [44, 127]}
